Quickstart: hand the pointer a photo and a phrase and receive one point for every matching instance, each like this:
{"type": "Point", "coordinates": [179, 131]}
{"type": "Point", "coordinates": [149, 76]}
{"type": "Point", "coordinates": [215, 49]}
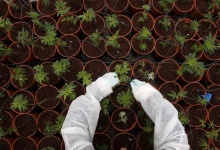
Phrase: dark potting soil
{"type": "Point", "coordinates": [43, 51]}
{"type": "Point", "coordinates": [4, 75]}
{"type": "Point", "coordinates": [205, 28]}
{"type": "Point", "coordinates": [117, 5]}
{"type": "Point", "coordinates": [68, 27]}
{"type": "Point", "coordinates": [3, 33]}
{"type": "Point", "coordinates": [190, 77]}
{"type": "Point", "coordinates": [184, 5]}
{"type": "Point", "coordinates": [193, 91]}
{"type": "Point", "coordinates": [75, 6]}
{"type": "Point", "coordinates": [26, 125]}
{"type": "Point", "coordinates": [214, 115]}
{"type": "Point", "coordinates": [183, 28]}
{"type": "Point", "coordinates": [188, 48]}
{"type": "Point", "coordinates": [47, 97]}
{"type": "Point", "coordinates": [21, 53]}
{"type": "Point", "coordinates": [113, 65]}
{"type": "Point", "coordinates": [30, 78]}
{"type": "Point", "coordinates": [168, 50]}
{"type": "Point", "coordinates": [4, 8]}
{"type": "Point", "coordinates": [124, 140]}
{"type": "Point", "coordinates": [96, 24]}
{"type": "Point", "coordinates": [159, 28]}
{"type": "Point", "coordinates": [148, 23]}
{"type": "Point", "coordinates": [100, 140]}
{"type": "Point", "coordinates": [123, 50]}
{"type": "Point", "coordinates": [6, 121]}
{"type": "Point", "coordinates": [138, 4]}
{"type": "Point", "coordinates": [25, 144]}
{"type": "Point", "coordinates": [46, 116]}
{"type": "Point", "coordinates": [53, 78]}
{"type": "Point", "coordinates": [216, 142]}
{"type": "Point", "coordinates": [96, 68]}
{"type": "Point", "coordinates": [18, 28]}
{"type": "Point", "coordinates": [93, 51]}
{"type": "Point", "coordinates": [39, 30]}
{"type": "Point", "coordinates": [136, 45]}
{"type": "Point", "coordinates": [72, 47]}
{"type": "Point", "coordinates": [94, 4]}
{"type": "Point", "coordinates": [158, 6]}
{"type": "Point", "coordinates": [47, 10]}
{"type": "Point", "coordinates": [145, 141]}
{"type": "Point", "coordinates": [195, 113]}
{"type": "Point", "coordinates": [167, 70]}
{"type": "Point", "coordinates": [51, 142]}
{"type": "Point", "coordinates": [23, 7]}
{"type": "Point", "coordinates": [5, 100]}
{"type": "Point", "coordinates": [203, 6]}
{"type": "Point", "coordinates": [167, 88]}
{"type": "Point", "coordinates": [4, 144]}
{"type": "Point", "coordinates": [124, 26]}
{"type": "Point", "coordinates": [215, 55]}
{"type": "Point", "coordinates": [75, 67]}
{"type": "Point", "coordinates": [214, 74]}
{"type": "Point", "coordinates": [215, 91]}
{"type": "Point", "coordinates": [142, 119]}
{"type": "Point", "coordinates": [103, 123]}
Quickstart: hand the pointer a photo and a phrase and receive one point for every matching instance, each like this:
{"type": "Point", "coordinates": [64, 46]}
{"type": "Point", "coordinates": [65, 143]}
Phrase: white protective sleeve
{"type": "Point", "coordinates": [169, 134]}
{"type": "Point", "coordinates": [81, 120]}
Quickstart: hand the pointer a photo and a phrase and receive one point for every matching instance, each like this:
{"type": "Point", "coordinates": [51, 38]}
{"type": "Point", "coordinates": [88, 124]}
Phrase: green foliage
{"type": "Point", "coordinates": [122, 71]}
{"type": "Point", "coordinates": [183, 118]}
{"type": "Point", "coordinates": [85, 77]}
{"type": "Point", "coordinates": [164, 4]}
{"type": "Point", "coordinates": [125, 98]}
{"type": "Point", "coordinates": [48, 27]}
{"type": "Point", "coordinates": [52, 128]}
{"type": "Point", "coordinates": [141, 19]}
{"type": "Point", "coordinates": [60, 67]}
{"type": "Point", "coordinates": [123, 117]}
{"type": "Point", "coordinates": [59, 123]}
{"type": "Point", "coordinates": [48, 148]}
{"type": "Point", "coordinates": [166, 23]}
{"type": "Point", "coordinates": [46, 3]}
{"type": "Point", "coordinates": [202, 101]}
{"type": "Point", "coordinates": [112, 40]}
{"type": "Point", "coordinates": [149, 125]}
{"type": "Point", "coordinates": [50, 38]}
{"type": "Point", "coordinates": [87, 16]}
{"type": "Point", "coordinates": [20, 102]}
{"type": "Point", "coordinates": [144, 34]}
{"type": "Point", "coordinates": [174, 95]}
{"type": "Point", "coordinates": [213, 134]}
{"type": "Point", "coordinates": [210, 44]}
{"type": "Point", "coordinates": [112, 21]}
{"type": "Point", "coordinates": [180, 39]}
{"type": "Point", "coordinates": [4, 50]}
{"type": "Point", "coordinates": [146, 74]}
{"type": "Point", "coordinates": [166, 42]}
{"type": "Point", "coordinates": [40, 75]}
{"type": "Point", "coordinates": [203, 144]}
{"type": "Point", "coordinates": [146, 8]}
{"type": "Point", "coordinates": [96, 38]}
{"type": "Point", "coordinates": [208, 16]}
{"type": "Point", "coordinates": [19, 75]}
{"type": "Point", "coordinates": [194, 25]}
{"type": "Point", "coordinates": [67, 91]}
{"type": "Point", "coordinates": [5, 24]}
{"type": "Point", "coordinates": [34, 17]}
{"type": "Point", "coordinates": [8, 132]}
{"type": "Point", "coordinates": [61, 7]}
{"type": "Point", "coordinates": [202, 121]}
{"type": "Point", "coordinates": [71, 19]}
{"type": "Point", "coordinates": [11, 3]}
{"type": "Point", "coordinates": [23, 36]}
{"type": "Point", "coordinates": [105, 105]}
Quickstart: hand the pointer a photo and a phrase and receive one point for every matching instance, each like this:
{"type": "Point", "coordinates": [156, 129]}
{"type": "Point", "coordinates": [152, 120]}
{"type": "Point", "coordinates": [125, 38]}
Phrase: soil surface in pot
{"type": "Point", "coordinates": [72, 47]}
{"type": "Point", "coordinates": [150, 44]}
{"type": "Point", "coordinates": [103, 123]}
{"type": "Point", "coordinates": [91, 27]}
{"type": "Point", "coordinates": [46, 10]}
{"type": "Point", "coordinates": [190, 77]}
{"type": "Point", "coordinates": [158, 6]}
{"type": "Point", "coordinates": [216, 142]}
{"type": "Point", "coordinates": [215, 91]}
{"type": "Point", "coordinates": [21, 53]}
{"type": "Point", "coordinates": [51, 142]}
{"type": "Point", "coordinates": [167, 70]}
{"type": "Point", "coordinates": [91, 50]}
{"type": "Point", "coordinates": [100, 140]}
{"type": "Point", "coordinates": [26, 125]}
{"type": "Point", "coordinates": [138, 4]}
{"type": "Point", "coordinates": [21, 9]}
{"type": "Point", "coordinates": [215, 55]}
{"type": "Point", "coordinates": [68, 27]}
{"type": "Point", "coordinates": [214, 115]}
{"type": "Point", "coordinates": [124, 140]}
{"type": "Point", "coordinates": [18, 28]}
{"type": "Point", "coordinates": [203, 6]}
{"type": "Point", "coordinates": [188, 48]}
{"type": "Point", "coordinates": [145, 141]}
{"type": "Point", "coordinates": [46, 97]}
{"type": "Point", "coordinates": [96, 5]}
{"type": "Point", "coordinates": [148, 22]}
{"type": "Point", "coordinates": [124, 26]}
{"type": "Point", "coordinates": [159, 28]}
{"type": "Point", "coordinates": [4, 8]}
{"type": "Point", "coordinates": [39, 30]}
{"type": "Point", "coordinates": [53, 78]}
{"type": "Point", "coordinates": [25, 144]}
{"type": "Point", "coordinates": [4, 144]}
{"type": "Point", "coordinates": [4, 75]}
{"type": "Point", "coordinates": [75, 6]}
{"type": "Point", "coordinates": [183, 27]}
{"type": "Point", "coordinates": [205, 28]}
{"type": "Point", "coordinates": [195, 113]}
{"type": "Point", "coordinates": [214, 74]}
{"type": "Point", "coordinates": [6, 121]}
{"type": "Point", "coordinates": [5, 99]}
{"type": "Point", "coordinates": [184, 5]}
{"type": "Point", "coordinates": [116, 5]}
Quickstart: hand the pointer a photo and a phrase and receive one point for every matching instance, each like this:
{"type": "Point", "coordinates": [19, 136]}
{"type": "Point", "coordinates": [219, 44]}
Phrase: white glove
{"type": "Point", "coordinates": [111, 78]}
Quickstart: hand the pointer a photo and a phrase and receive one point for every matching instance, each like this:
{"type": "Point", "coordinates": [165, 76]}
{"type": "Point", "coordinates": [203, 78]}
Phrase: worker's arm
{"type": "Point", "coordinates": [168, 132]}
{"type": "Point", "coordinates": [80, 123]}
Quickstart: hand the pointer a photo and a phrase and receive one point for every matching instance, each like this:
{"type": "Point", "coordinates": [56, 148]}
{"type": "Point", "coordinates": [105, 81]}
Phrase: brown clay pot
{"type": "Point", "coordinates": [24, 143]}
{"type": "Point", "coordinates": [48, 11]}
{"type": "Point", "coordinates": [148, 22]}
{"type": "Point", "coordinates": [4, 9]}
{"type": "Point", "coordinates": [212, 56]}
{"type": "Point", "coordinates": [97, 6]}
{"type": "Point", "coordinates": [212, 75]}
{"type": "Point", "coordinates": [182, 7]}
{"type": "Point", "coordinates": [7, 118]}
{"type": "Point", "coordinates": [136, 6]}
{"type": "Point", "coordinates": [215, 142]}
{"type": "Point", "coordinates": [214, 116]}
{"type": "Point", "coordinates": [51, 141]}
{"type": "Point", "coordinates": [4, 75]}
{"type": "Point", "coordinates": [5, 144]}
{"type": "Point", "coordinates": [117, 7]}
{"type": "Point", "coordinates": [6, 98]}
{"type": "Point", "coordinates": [206, 27]}
{"type": "Point", "coordinates": [145, 141]}
{"type": "Point", "coordinates": [76, 7]}
{"type": "Point", "coordinates": [104, 123]}
{"type": "Point", "coordinates": [157, 10]}
{"type": "Point", "coordinates": [215, 91]}
{"type": "Point", "coordinates": [100, 140]}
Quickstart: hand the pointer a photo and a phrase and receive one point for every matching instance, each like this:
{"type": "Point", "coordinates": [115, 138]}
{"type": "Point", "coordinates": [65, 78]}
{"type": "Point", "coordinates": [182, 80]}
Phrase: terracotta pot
{"type": "Point", "coordinates": [4, 75]}
{"type": "Point", "coordinates": [194, 90]}
{"type": "Point", "coordinates": [3, 33]}
{"type": "Point", "coordinates": [167, 51]}
{"type": "Point", "coordinates": [42, 51]}
{"type": "Point", "coordinates": [44, 117]}
{"type": "Point", "coordinates": [196, 112]}
{"type": "Point", "coordinates": [6, 99]}
{"type": "Point", "coordinates": [214, 116]}
{"type": "Point", "coordinates": [148, 22]}
{"type": "Point", "coordinates": [3, 55]}
{"type": "Point", "coordinates": [4, 9]}
{"type": "Point", "coordinates": [167, 70]}
{"type": "Point", "coordinates": [136, 6]}
{"type": "Point", "coordinates": [29, 74]}
{"type": "Point", "coordinates": [67, 27]}
{"type": "Point", "coordinates": [22, 122]}
{"type": "Point", "coordinates": [39, 31]}
{"type": "Point", "coordinates": [97, 6]}
{"type": "Point", "coordinates": [62, 145]}
{"type": "Point", "coordinates": [188, 78]}
{"type": "Point", "coordinates": [103, 123]}
{"type": "Point", "coordinates": [48, 11]}
{"type": "Point", "coordinates": [144, 120]}
{"type": "Point", "coordinates": [159, 30]}
{"type": "Point", "coordinates": [7, 118]}
{"type": "Point", "coordinates": [76, 7]}
{"type": "Point", "coordinates": [5, 144]}
{"type": "Point", "coordinates": [124, 139]}
{"type": "Point", "coordinates": [72, 48]}
{"type": "Point", "coordinates": [182, 7]}
{"type": "Point", "coordinates": [157, 10]}
{"type": "Point", "coordinates": [65, 111]}
{"type": "Point", "coordinates": [95, 67]}
{"type": "Point", "coordinates": [117, 89]}
{"type": "Point", "coordinates": [150, 42]}
{"type": "Point", "coordinates": [166, 89]}
{"type": "Point", "coordinates": [91, 50]}
{"type": "Point", "coordinates": [96, 24]}
{"type": "Point", "coordinates": [100, 140]}
{"type": "Point", "coordinates": [117, 6]}
{"type": "Point", "coordinates": [215, 91]}
{"type": "Point", "coordinates": [215, 142]}
{"type": "Point", "coordinates": [46, 97]}
{"type": "Point", "coordinates": [124, 26]}
{"type": "Point", "coordinates": [145, 141]}
{"type": "Point", "coordinates": [212, 56]}
{"type": "Point", "coordinates": [206, 27]}
{"type": "Point", "coordinates": [24, 143]}
{"type": "Point", "coordinates": [179, 108]}
{"type": "Point", "coordinates": [51, 141]}
{"type": "Point", "coordinates": [121, 52]}
{"type": "Point", "coordinates": [212, 75]}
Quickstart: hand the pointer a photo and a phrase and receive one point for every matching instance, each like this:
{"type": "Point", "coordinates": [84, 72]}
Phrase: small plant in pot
{"type": "Point", "coordinates": [61, 7]}
{"type": "Point", "coordinates": [125, 98]}
{"type": "Point", "coordinates": [85, 77]}
{"type": "Point", "coordinates": [20, 103]}
{"type": "Point", "coordinates": [4, 50]}
{"type": "Point", "coordinates": [145, 74]}
{"type": "Point", "coordinates": [40, 75]}
{"type": "Point", "coordinates": [10, 131]}
{"type": "Point", "coordinates": [5, 26]}
{"type": "Point", "coordinates": [166, 5]}
{"type": "Point", "coordinates": [177, 96]}
{"type": "Point", "coordinates": [122, 71]}
{"type": "Point", "coordinates": [61, 66]}
{"type": "Point", "coordinates": [19, 74]}
{"type": "Point", "coordinates": [183, 118]}
{"type": "Point", "coordinates": [67, 92]}
{"type": "Point", "coordinates": [53, 128]}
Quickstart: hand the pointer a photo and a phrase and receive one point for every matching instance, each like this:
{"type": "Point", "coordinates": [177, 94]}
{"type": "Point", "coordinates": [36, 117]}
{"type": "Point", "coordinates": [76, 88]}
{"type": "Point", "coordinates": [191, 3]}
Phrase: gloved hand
{"type": "Point", "coordinates": [111, 78]}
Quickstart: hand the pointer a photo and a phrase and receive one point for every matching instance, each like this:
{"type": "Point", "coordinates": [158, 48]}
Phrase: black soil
{"type": "Point", "coordinates": [4, 8]}
{"type": "Point", "coordinates": [216, 142]}
{"type": "Point", "coordinates": [100, 140]}
{"type": "Point", "coordinates": [124, 140]}
{"type": "Point", "coordinates": [195, 113]}
{"type": "Point", "coordinates": [205, 28]}
{"type": "Point", "coordinates": [6, 122]}
{"type": "Point", "coordinates": [51, 142]}
{"type": "Point", "coordinates": [215, 55]}
{"type": "Point", "coordinates": [96, 24]}
{"type": "Point", "coordinates": [183, 27]}
{"type": "Point", "coordinates": [25, 144]}
{"type": "Point", "coordinates": [96, 5]}
{"type": "Point", "coordinates": [145, 141]}
{"type": "Point", "coordinates": [159, 28]}
{"type": "Point", "coordinates": [215, 91]}
{"type": "Point", "coordinates": [214, 115]}
{"type": "Point", "coordinates": [203, 6]}
{"type": "Point", "coordinates": [148, 22]}
{"type": "Point", "coordinates": [23, 7]}
{"type": "Point", "coordinates": [5, 100]}
{"type": "Point", "coordinates": [4, 75]}
{"type": "Point", "coordinates": [53, 78]}
{"type": "Point", "coordinates": [167, 70]}
{"type": "Point", "coordinates": [47, 10]}
{"type": "Point", "coordinates": [124, 26]}
{"type": "Point", "coordinates": [21, 53]}
{"type": "Point", "coordinates": [184, 5]}
{"type": "Point", "coordinates": [75, 6]}
{"type": "Point", "coordinates": [188, 47]}
{"type": "Point", "coordinates": [18, 28]}
{"type": "Point", "coordinates": [214, 74]}
{"type": "Point", "coordinates": [4, 144]}
{"type": "Point", "coordinates": [116, 5]}
{"type": "Point", "coordinates": [103, 123]}
{"type": "Point", "coordinates": [68, 27]}
{"type": "Point", "coordinates": [190, 77]}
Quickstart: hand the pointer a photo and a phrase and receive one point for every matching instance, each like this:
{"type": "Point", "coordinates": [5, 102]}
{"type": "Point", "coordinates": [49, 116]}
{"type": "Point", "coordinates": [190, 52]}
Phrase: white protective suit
{"type": "Point", "coordinates": [81, 120]}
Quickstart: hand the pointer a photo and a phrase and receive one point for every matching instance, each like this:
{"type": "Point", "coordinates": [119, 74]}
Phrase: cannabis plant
{"type": "Point", "coordinates": [144, 17]}
{"type": "Point", "coordinates": [19, 74]}
{"type": "Point", "coordinates": [52, 128]}
{"type": "Point", "coordinates": [123, 117]}
{"type": "Point", "coordinates": [23, 36]}
{"type": "Point", "coordinates": [194, 25]}
{"type": "Point", "coordinates": [149, 125]}
{"type": "Point", "coordinates": [174, 95]}
{"type": "Point", "coordinates": [35, 18]}
{"type": "Point", "coordinates": [144, 34]}
{"type": "Point", "coordinates": [164, 4]}
{"type": "Point", "coordinates": [183, 118]}
{"type": "Point", "coordinates": [6, 133]}
{"type": "Point", "coordinates": [203, 144]}
{"type": "Point", "coordinates": [146, 74]}
{"type": "Point", "coordinates": [96, 38]}
{"type": "Point", "coordinates": [113, 40]}
{"type": "Point", "coordinates": [71, 19]}
{"type": "Point", "coordinates": [50, 38]}
{"type": "Point", "coordinates": [85, 77]}
{"type": "Point", "coordinates": [202, 101]}
{"type": "Point", "coordinates": [61, 7]}
{"type": "Point", "coordinates": [125, 98]}
{"type": "Point", "coordinates": [5, 50]}
{"type": "Point", "coordinates": [122, 71]}
{"type": "Point", "coordinates": [112, 21]}
{"type": "Point", "coordinates": [103, 147]}
{"type": "Point", "coordinates": [105, 105]}
{"type": "Point", "coordinates": [165, 22]}
{"type": "Point", "coordinates": [40, 75]}
{"type": "Point", "coordinates": [210, 44]}
{"type": "Point", "coordinates": [20, 102]}
{"type": "Point", "coordinates": [61, 66]}
{"type": "Point", "coordinates": [68, 91]}
{"type": "Point", "coordinates": [180, 39]}
{"type": "Point", "coordinates": [46, 3]}
{"type": "Point", "coordinates": [5, 24]}
{"type": "Point", "coordinates": [87, 16]}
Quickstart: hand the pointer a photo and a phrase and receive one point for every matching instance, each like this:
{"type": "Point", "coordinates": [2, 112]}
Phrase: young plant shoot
{"type": "Point", "coordinates": [85, 77]}
{"type": "Point", "coordinates": [144, 34]}
{"type": "Point", "coordinates": [125, 98]}
{"type": "Point", "coordinates": [112, 21]}
{"type": "Point", "coordinates": [87, 16]}
{"type": "Point", "coordinates": [123, 117]}
{"type": "Point", "coordinates": [40, 75]}
{"type": "Point", "coordinates": [105, 105]}
{"type": "Point", "coordinates": [113, 40]}
{"type": "Point", "coordinates": [19, 74]}
{"type": "Point", "coordinates": [68, 91]}
{"type": "Point", "coordinates": [20, 103]}
{"type": "Point", "coordinates": [122, 71]}
{"type": "Point", "coordinates": [61, 66]}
